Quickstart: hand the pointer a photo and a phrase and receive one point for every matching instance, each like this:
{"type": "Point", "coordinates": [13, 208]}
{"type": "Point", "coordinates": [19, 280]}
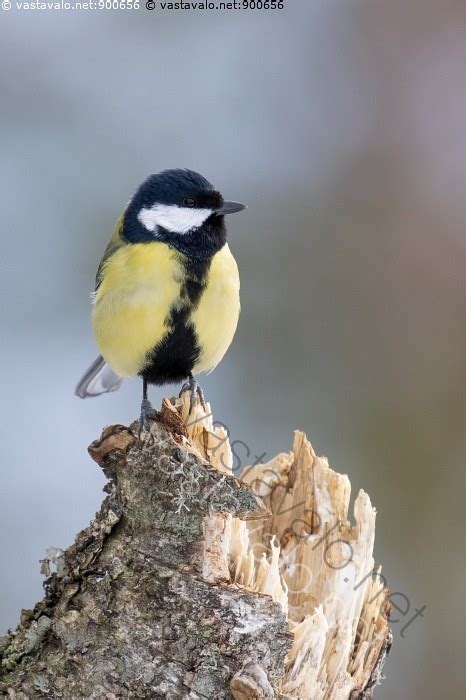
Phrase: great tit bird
{"type": "Point", "coordinates": [166, 301]}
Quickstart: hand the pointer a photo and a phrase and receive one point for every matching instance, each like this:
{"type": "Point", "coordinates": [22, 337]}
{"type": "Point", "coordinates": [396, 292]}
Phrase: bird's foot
{"type": "Point", "coordinates": [147, 414]}
{"type": "Point", "coordinates": [195, 390]}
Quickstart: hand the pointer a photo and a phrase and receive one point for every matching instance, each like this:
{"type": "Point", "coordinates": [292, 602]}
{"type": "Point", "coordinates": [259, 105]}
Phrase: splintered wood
{"type": "Point", "coordinates": [191, 583]}
{"type": "Point", "coordinates": [311, 560]}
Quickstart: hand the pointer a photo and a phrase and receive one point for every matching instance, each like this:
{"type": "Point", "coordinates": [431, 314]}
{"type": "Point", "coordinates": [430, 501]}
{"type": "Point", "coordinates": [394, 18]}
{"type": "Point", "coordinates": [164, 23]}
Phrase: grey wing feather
{"type": "Point", "coordinates": [99, 379]}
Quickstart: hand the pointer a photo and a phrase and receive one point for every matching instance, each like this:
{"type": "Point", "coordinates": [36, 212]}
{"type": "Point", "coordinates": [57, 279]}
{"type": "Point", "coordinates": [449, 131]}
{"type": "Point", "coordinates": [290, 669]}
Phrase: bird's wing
{"type": "Point", "coordinates": [99, 379]}
{"type": "Point", "coordinates": [114, 244]}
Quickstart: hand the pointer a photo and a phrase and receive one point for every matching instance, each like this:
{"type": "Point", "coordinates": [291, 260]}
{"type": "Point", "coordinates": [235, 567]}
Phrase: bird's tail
{"type": "Point", "coordinates": [99, 379]}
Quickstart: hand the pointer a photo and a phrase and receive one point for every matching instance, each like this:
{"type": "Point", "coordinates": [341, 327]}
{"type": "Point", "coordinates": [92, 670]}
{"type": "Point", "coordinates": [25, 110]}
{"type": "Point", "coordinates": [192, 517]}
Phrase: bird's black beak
{"type": "Point", "coordinates": [229, 208]}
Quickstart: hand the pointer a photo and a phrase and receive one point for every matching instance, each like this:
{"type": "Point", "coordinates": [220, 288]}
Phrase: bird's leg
{"type": "Point", "coordinates": [147, 412]}
{"type": "Point", "coordinates": [195, 390]}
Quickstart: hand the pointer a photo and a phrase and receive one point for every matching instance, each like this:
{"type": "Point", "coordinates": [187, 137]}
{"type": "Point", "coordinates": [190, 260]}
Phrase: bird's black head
{"type": "Point", "coordinates": [181, 208]}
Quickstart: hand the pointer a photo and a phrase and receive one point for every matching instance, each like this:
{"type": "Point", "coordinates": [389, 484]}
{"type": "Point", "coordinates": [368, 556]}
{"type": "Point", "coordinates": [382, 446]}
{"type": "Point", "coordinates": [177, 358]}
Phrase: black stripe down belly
{"type": "Point", "coordinates": [173, 358]}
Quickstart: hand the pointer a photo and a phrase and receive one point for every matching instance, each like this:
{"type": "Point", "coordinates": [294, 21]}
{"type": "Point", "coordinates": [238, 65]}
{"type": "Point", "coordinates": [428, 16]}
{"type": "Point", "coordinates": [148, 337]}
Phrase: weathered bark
{"type": "Point", "coordinates": [166, 594]}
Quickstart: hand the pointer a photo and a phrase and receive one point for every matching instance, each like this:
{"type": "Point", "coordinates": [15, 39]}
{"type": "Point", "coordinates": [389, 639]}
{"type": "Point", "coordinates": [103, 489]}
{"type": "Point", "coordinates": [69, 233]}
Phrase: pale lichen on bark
{"type": "Point", "coordinates": [186, 583]}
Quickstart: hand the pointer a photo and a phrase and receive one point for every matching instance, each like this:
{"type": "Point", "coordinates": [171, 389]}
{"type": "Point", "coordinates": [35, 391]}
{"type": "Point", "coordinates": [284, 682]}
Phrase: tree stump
{"type": "Point", "coordinates": [191, 583]}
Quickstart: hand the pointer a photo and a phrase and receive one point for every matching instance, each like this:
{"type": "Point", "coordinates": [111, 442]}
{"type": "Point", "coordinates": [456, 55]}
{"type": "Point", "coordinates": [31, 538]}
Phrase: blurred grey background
{"type": "Point", "coordinates": [342, 125]}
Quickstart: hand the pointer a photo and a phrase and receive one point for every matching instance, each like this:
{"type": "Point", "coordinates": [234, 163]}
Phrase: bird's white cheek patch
{"type": "Point", "coordinates": [173, 218]}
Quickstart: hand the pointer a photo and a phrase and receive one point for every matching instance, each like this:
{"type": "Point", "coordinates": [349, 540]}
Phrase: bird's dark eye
{"type": "Point", "coordinates": [189, 202]}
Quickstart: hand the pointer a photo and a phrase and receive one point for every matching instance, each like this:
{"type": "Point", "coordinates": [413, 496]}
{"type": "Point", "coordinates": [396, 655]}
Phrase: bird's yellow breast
{"type": "Point", "coordinates": [139, 285]}
{"type": "Point", "coordinates": [216, 316]}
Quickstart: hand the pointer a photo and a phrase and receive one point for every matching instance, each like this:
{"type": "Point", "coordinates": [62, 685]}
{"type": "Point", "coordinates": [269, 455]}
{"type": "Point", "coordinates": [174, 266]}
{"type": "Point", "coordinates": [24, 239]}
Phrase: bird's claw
{"type": "Point", "coordinates": [147, 414]}
{"type": "Point", "coordinates": [195, 390]}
